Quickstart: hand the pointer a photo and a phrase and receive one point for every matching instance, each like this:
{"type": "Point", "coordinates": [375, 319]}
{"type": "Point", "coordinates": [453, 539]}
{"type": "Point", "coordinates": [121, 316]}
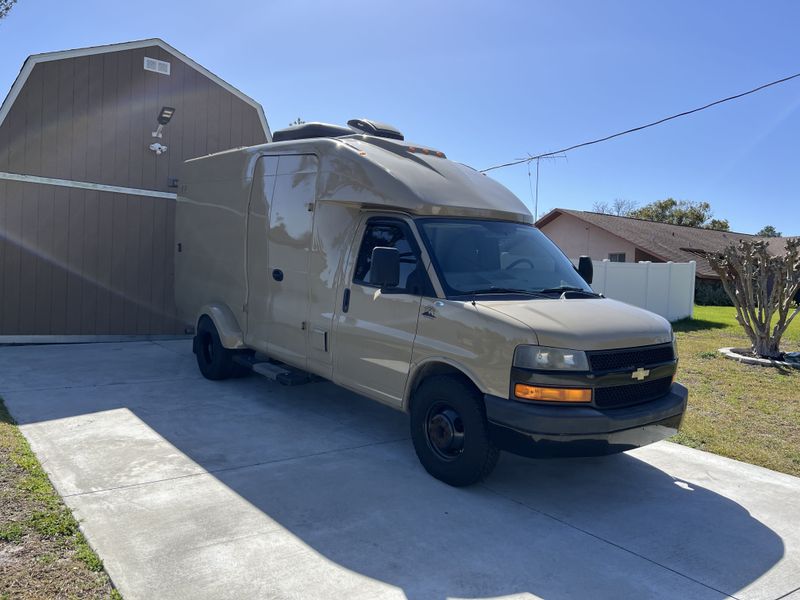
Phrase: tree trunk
{"type": "Point", "coordinates": [767, 348]}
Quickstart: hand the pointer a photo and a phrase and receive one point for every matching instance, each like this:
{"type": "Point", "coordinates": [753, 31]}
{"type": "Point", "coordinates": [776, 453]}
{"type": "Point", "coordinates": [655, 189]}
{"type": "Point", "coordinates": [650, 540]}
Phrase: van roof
{"type": "Point", "coordinates": [380, 172]}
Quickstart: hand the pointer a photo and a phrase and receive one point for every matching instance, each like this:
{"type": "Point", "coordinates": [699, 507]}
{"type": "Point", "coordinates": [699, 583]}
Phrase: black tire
{"type": "Point", "coordinates": [214, 360]}
{"type": "Point", "coordinates": [450, 431]}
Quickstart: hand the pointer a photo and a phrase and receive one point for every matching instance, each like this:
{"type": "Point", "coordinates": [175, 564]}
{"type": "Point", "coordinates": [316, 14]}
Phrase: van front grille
{"type": "Point", "coordinates": [634, 393]}
{"type": "Point", "coordinates": [630, 358]}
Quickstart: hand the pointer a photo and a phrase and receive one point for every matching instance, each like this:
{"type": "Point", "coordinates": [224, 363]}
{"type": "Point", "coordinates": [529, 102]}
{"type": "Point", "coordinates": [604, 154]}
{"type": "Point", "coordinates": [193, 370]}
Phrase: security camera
{"type": "Point", "coordinates": [159, 149]}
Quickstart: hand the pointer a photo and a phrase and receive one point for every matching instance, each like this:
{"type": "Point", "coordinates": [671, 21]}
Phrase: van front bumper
{"type": "Point", "coordinates": [538, 430]}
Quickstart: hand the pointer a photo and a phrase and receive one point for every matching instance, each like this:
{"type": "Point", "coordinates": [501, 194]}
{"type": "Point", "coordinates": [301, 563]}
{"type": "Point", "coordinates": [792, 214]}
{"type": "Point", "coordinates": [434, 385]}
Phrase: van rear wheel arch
{"type": "Point", "coordinates": [213, 359]}
{"type": "Point", "coordinates": [226, 324]}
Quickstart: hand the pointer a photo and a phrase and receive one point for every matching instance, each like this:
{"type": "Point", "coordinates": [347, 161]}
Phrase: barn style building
{"type": "Point", "coordinates": [91, 147]}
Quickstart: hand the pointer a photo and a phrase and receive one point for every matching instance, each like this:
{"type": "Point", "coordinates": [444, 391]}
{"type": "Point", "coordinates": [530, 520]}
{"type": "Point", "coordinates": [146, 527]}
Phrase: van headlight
{"type": "Point", "coordinates": [550, 359]}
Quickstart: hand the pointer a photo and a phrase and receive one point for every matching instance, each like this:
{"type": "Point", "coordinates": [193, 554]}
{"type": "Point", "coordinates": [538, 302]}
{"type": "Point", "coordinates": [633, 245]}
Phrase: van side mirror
{"type": "Point", "coordinates": [586, 269]}
{"type": "Point", "coordinates": [384, 269]}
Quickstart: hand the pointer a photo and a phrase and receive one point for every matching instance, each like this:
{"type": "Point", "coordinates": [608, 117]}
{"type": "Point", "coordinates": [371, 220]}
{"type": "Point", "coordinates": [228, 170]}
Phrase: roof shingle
{"type": "Point", "coordinates": [677, 243]}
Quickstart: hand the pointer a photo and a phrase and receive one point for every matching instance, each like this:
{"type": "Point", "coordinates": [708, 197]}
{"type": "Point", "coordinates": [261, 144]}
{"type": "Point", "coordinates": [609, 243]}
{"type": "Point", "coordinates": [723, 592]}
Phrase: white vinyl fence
{"type": "Point", "coordinates": [666, 289]}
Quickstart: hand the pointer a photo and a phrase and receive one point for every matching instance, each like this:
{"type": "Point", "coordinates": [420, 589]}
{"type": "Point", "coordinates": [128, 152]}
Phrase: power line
{"type": "Point", "coordinates": [635, 129]}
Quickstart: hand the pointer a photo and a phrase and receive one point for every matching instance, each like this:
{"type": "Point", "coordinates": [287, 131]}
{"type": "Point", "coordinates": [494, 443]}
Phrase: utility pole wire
{"type": "Point", "coordinates": [635, 129]}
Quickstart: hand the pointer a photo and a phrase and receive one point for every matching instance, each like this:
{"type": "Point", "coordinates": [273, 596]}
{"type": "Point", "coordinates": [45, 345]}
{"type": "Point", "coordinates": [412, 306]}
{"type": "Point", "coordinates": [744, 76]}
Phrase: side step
{"type": "Point", "coordinates": [283, 374]}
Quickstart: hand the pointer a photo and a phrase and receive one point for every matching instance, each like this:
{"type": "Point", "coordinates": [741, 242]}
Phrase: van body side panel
{"type": "Point", "coordinates": [256, 257]}
{"type": "Point", "coordinates": [334, 228]}
{"type": "Point", "coordinates": [464, 336]}
{"type": "Point", "coordinates": [291, 221]}
{"type": "Point", "coordinates": [209, 235]}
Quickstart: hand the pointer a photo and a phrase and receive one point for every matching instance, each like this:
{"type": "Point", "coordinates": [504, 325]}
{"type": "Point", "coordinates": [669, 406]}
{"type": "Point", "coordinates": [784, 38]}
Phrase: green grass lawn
{"type": "Point", "coordinates": [746, 412]}
{"type": "Point", "coordinates": [42, 552]}
{"type": "Point", "coordinates": [708, 318]}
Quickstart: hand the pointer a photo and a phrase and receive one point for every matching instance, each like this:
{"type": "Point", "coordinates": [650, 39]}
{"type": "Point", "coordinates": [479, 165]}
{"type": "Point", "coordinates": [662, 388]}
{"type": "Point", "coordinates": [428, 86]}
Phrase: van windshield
{"type": "Point", "coordinates": [486, 257]}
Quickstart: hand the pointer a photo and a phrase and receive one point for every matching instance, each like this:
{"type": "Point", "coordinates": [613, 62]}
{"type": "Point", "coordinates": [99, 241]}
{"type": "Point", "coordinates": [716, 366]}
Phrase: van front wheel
{"type": "Point", "coordinates": [450, 432]}
{"type": "Point", "coordinates": [213, 359]}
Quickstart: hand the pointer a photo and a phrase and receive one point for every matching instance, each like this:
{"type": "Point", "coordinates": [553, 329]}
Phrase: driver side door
{"type": "Point", "coordinates": [375, 329]}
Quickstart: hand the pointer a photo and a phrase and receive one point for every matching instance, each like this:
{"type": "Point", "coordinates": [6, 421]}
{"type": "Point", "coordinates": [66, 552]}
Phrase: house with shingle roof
{"type": "Point", "coordinates": [626, 239]}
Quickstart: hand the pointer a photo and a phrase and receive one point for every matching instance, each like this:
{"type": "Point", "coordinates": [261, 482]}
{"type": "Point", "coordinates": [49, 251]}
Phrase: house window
{"type": "Point", "coordinates": [617, 257]}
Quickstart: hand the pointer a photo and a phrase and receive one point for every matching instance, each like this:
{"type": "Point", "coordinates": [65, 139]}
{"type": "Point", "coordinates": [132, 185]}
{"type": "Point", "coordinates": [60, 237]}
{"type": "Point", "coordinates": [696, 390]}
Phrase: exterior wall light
{"type": "Point", "coordinates": [163, 118]}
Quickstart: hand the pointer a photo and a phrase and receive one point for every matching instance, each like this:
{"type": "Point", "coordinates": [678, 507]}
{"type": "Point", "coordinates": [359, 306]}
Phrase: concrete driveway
{"type": "Point", "coordinates": [246, 489]}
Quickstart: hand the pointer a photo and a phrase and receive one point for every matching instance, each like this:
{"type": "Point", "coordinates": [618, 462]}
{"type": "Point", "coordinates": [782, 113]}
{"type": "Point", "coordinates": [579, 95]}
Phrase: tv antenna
{"type": "Point", "coordinates": [535, 195]}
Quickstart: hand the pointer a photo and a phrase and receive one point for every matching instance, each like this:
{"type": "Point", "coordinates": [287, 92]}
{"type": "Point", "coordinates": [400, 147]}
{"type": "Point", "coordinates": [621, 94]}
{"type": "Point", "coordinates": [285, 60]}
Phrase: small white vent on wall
{"type": "Point", "coordinates": [156, 66]}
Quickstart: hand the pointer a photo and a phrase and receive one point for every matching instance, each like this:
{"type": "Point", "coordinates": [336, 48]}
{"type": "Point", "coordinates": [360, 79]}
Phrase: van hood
{"type": "Point", "coordinates": [586, 323]}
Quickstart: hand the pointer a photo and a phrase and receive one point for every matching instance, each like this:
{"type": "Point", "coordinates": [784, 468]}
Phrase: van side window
{"type": "Point", "coordinates": [413, 278]}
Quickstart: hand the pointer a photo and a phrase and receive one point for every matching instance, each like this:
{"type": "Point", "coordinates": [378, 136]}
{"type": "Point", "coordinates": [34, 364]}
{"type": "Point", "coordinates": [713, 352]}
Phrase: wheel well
{"type": "Point", "coordinates": [224, 321]}
{"type": "Point", "coordinates": [207, 318]}
{"type": "Point", "coordinates": [434, 369]}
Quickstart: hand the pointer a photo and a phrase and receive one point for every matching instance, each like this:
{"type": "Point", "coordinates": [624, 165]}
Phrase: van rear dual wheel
{"type": "Point", "coordinates": [450, 432]}
{"type": "Point", "coordinates": [214, 360]}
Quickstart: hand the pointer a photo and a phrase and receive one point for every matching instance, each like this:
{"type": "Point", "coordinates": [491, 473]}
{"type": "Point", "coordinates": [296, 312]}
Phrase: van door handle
{"type": "Point", "coordinates": [346, 300]}
{"type": "Point", "coordinates": [277, 275]}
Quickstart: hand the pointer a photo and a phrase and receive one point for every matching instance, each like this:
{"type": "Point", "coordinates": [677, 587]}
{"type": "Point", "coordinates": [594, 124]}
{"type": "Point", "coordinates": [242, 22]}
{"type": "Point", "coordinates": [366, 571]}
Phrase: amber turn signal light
{"type": "Point", "coordinates": [548, 394]}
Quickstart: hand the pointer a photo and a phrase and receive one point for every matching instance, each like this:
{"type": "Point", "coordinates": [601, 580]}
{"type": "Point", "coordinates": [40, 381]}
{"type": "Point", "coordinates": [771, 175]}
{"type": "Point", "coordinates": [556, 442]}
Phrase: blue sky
{"type": "Point", "coordinates": [488, 81]}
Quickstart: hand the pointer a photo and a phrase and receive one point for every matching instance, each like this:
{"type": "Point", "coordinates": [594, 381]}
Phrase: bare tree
{"type": "Point", "coordinates": [621, 207]}
{"type": "Point", "coordinates": [5, 7]}
{"type": "Point", "coordinates": [762, 287]}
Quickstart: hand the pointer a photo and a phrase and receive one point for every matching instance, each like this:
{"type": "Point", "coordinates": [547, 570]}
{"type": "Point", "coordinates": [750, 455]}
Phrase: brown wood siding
{"type": "Point", "coordinates": [91, 118]}
{"type": "Point", "coordinates": [75, 261]}
{"type": "Point", "coordinates": [67, 279]}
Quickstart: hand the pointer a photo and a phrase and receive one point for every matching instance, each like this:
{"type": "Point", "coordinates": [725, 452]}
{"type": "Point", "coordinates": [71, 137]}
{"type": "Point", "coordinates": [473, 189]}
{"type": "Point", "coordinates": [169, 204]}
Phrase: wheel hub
{"type": "Point", "coordinates": [445, 432]}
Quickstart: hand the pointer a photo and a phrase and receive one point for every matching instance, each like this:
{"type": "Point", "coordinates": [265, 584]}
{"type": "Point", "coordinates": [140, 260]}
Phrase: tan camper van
{"type": "Point", "coordinates": [352, 255]}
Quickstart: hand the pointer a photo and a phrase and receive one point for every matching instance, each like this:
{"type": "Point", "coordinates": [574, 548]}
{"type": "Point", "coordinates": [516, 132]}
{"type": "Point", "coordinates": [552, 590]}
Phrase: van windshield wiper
{"type": "Point", "coordinates": [569, 288]}
{"type": "Point", "coordinates": [504, 290]}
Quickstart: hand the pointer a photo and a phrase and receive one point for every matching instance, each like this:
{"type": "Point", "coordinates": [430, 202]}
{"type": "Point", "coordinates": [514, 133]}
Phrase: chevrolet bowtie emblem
{"type": "Point", "coordinates": [640, 374]}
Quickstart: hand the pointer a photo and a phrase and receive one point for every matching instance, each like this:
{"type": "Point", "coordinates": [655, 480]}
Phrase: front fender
{"type": "Point", "coordinates": [436, 365]}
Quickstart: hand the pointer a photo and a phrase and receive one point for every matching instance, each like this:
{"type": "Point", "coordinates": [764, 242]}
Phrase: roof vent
{"type": "Point", "coordinates": [156, 66]}
{"type": "Point", "coordinates": [310, 130]}
{"type": "Point", "coordinates": [376, 128]}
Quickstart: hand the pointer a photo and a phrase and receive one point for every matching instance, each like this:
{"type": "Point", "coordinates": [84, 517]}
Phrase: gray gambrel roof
{"type": "Point", "coordinates": [677, 243]}
{"type": "Point", "coordinates": [35, 59]}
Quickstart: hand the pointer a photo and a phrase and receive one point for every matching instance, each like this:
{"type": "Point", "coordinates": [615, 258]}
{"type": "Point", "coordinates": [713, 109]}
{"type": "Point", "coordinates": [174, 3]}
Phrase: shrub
{"type": "Point", "coordinates": [709, 292]}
